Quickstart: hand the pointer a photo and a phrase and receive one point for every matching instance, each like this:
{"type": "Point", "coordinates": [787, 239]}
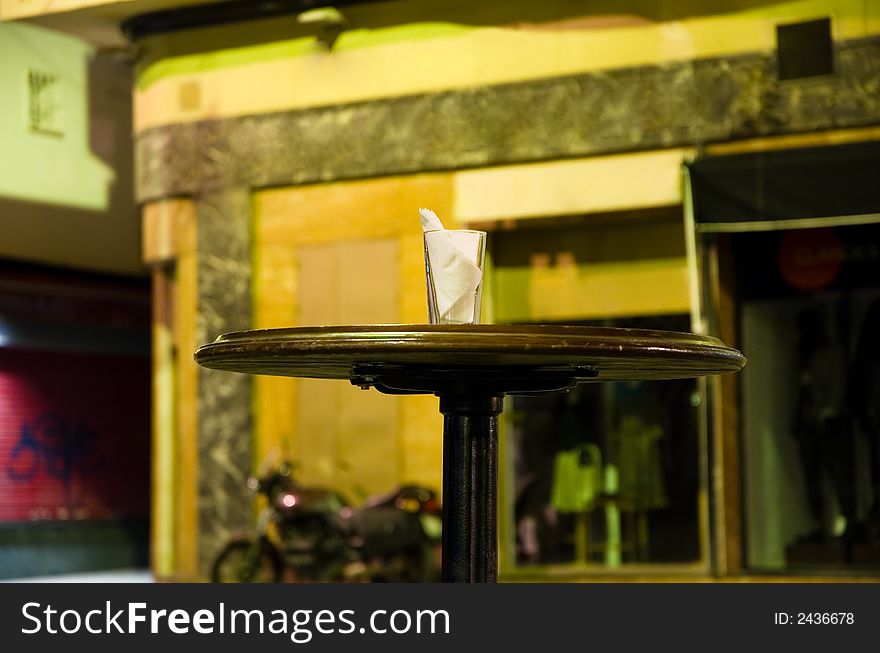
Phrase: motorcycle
{"type": "Point", "coordinates": [314, 535]}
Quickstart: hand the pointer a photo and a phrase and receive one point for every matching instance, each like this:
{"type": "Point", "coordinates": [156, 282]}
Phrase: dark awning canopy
{"type": "Point", "coordinates": [740, 192]}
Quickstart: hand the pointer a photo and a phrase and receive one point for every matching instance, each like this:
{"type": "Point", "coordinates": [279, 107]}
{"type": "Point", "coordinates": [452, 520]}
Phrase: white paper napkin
{"type": "Point", "coordinates": [454, 269]}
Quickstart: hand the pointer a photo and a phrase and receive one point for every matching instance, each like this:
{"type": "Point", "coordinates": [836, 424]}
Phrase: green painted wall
{"type": "Point", "coordinates": [43, 167]}
{"type": "Point", "coordinates": [66, 198]}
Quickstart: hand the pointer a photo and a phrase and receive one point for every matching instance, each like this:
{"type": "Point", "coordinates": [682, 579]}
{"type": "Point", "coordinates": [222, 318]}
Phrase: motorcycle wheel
{"type": "Point", "coordinates": [241, 561]}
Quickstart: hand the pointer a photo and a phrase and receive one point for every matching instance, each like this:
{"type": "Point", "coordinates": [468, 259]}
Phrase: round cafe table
{"type": "Point", "coordinates": [470, 368]}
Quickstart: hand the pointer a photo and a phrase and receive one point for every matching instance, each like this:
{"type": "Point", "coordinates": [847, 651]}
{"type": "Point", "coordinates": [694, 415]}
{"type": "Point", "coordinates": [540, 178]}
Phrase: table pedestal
{"type": "Point", "coordinates": [470, 488]}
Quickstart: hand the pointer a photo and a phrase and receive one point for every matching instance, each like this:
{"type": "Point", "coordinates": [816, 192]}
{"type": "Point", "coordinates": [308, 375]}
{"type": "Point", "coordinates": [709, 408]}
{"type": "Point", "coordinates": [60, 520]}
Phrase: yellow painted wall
{"type": "Point", "coordinates": [591, 272]}
{"type": "Point", "coordinates": [343, 428]}
{"type": "Point", "coordinates": [169, 247]}
{"type": "Point", "coordinates": [572, 187]}
{"type": "Point", "coordinates": [179, 83]}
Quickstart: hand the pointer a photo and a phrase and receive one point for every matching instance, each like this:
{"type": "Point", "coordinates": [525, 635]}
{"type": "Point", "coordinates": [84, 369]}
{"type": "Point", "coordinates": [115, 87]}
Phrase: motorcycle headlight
{"type": "Point", "coordinates": [287, 500]}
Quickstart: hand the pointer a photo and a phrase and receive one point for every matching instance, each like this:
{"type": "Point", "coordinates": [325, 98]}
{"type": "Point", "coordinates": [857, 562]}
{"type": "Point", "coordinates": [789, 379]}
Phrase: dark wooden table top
{"type": "Point", "coordinates": [590, 353]}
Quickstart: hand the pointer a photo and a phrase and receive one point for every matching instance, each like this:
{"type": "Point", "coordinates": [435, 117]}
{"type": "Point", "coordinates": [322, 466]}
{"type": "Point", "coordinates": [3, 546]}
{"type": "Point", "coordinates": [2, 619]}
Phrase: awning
{"type": "Point", "coordinates": [787, 189]}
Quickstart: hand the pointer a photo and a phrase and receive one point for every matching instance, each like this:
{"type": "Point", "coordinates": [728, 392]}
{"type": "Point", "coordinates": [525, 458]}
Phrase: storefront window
{"type": "Point", "coordinates": [809, 303]}
{"type": "Point", "coordinates": [608, 474]}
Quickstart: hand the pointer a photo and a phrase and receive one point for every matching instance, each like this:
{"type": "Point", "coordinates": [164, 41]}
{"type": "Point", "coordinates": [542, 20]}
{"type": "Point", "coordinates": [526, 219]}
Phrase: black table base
{"type": "Point", "coordinates": [470, 488]}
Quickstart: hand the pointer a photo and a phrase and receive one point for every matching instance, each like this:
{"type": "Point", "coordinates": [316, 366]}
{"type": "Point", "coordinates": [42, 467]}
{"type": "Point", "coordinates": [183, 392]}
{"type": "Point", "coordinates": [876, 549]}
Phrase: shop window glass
{"type": "Point", "coordinates": [608, 474]}
{"type": "Point", "coordinates": [809, 306]}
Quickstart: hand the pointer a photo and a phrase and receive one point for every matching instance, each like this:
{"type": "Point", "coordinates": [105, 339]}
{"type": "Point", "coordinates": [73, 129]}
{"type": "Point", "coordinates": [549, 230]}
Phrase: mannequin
{"type": "Point", "coordinates": [638, 439]}
{"type": "Point", "coordinates": [822, 423]}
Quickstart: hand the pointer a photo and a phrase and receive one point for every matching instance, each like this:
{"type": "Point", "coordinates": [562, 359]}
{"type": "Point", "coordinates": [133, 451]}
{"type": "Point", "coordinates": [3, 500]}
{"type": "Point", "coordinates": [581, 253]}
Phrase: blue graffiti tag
{"type": "Point", "coordinates": [52, 445]}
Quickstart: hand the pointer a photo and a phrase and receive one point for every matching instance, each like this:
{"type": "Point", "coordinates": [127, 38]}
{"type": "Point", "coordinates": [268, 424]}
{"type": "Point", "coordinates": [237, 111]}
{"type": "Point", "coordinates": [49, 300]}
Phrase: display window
{"type": "Point", "coordinates": [608, 475]}
{"type": "Point", "coordinates": [788, 251]}
{"type": "Point", "coordinates": [809, 315]}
